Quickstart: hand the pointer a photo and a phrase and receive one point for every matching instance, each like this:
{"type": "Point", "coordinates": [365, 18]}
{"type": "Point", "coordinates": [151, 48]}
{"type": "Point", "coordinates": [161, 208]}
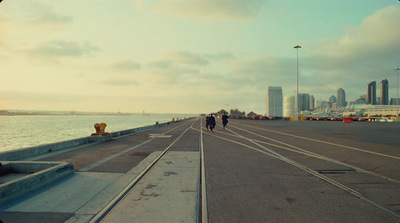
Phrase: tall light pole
{"type": "Point", "coordinates": [297, 47]}
{"type": "Point", "coordinates": [397, 97]}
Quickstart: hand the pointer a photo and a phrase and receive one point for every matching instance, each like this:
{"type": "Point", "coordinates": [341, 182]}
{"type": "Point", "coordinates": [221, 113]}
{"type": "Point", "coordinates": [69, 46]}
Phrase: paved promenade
{"type": "Point", "coordinates": [255, 171]}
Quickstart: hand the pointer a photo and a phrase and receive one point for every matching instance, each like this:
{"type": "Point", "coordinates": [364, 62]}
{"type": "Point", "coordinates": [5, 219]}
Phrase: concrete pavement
{"type": "Point", "coordinates": [256, 171]}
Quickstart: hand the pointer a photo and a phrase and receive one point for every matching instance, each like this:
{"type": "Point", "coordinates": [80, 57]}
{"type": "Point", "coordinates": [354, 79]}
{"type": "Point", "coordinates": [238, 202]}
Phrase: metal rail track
{"type": "Point", "coordinates": [111, 205]}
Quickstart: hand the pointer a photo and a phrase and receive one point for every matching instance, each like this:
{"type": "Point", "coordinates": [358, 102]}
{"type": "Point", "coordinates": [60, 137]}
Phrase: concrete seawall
{"type": "Point", "coordinates": [20, 154]}
{"type": "Point", "coordinates": [34, 176]}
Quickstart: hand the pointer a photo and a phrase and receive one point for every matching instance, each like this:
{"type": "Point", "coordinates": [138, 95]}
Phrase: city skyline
{"type": "Point", "coordinates": [171, 56]}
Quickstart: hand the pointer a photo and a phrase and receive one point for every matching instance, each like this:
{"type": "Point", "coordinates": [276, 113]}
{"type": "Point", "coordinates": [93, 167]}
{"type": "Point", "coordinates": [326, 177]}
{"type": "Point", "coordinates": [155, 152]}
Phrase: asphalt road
{"type": "Point", "coordinates": [263, 181]}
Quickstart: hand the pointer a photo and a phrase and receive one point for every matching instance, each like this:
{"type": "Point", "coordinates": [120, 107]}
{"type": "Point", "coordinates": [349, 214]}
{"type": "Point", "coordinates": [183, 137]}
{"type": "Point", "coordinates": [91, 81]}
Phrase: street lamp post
{"type": "Point", "coordinates": [397, 97]}
{"type": "Point", "coordinates": [297, 47]}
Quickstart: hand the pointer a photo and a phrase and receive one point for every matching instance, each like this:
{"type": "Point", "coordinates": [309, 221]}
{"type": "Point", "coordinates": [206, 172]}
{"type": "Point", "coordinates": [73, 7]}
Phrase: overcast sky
{"type": "Point", "coordinates": [191, 56]}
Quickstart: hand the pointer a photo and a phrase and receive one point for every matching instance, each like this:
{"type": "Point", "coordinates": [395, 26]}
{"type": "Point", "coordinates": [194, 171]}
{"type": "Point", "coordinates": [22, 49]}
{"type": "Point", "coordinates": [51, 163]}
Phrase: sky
{"type": "Point", "coordinates": [191, 56]}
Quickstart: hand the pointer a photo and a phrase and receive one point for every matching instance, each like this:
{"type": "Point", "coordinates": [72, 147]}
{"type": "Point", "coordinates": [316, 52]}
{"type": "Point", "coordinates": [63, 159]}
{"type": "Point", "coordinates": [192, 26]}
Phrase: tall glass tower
{"type": "Point", "coordinates": [304, 102]}
{"type": "Point", "coordinates": [341, 98]}
{"type": "Point", "coordinates": [371, 93]}
{"type": "Point", "coordinates": [384, 92]}
{"type": "Point", "coordinates": [274, 102]}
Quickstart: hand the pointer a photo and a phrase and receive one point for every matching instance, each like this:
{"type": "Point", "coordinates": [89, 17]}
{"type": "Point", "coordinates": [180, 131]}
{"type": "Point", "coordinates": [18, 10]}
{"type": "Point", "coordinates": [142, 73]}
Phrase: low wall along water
{"type": "Point", "coordinates": [21, 154]}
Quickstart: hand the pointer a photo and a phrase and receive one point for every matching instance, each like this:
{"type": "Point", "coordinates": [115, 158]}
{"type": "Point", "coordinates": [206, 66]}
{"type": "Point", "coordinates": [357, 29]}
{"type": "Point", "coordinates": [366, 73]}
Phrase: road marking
{"type": "Point", "coordinates": [93, 165]}
{"type": "Point", "coordinates": [159, 136]}
{"type": "Point", "coordinates": [271, 153]}
{"type": "Point", "coordinates": [329, 143]}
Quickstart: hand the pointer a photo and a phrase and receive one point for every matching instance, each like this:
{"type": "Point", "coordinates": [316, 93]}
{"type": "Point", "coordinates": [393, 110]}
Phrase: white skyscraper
{"type": "Point", "coordinates": [274, 102]}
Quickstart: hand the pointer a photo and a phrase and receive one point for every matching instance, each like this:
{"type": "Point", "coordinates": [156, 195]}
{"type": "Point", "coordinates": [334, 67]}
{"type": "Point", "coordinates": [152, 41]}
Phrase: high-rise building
{"type": "Point", "coordinates": [395, 101]}
{"type": "Point", "coordinates": [371, 93]}
{"type": "Point", "coordinates": [341, 98]}
{"type": "Point", "coordinates": [332, 100]}
{"type": "Point", "coordinates": [274, 102]}
{"type": "Point", "coordinates": [312, 102]}
{"type": "Point", "coordinates": [384, 92]}
{"type": "Point", "coordinates": [290, 106]}
{"type": "Point", "coordinates": [304, 102]}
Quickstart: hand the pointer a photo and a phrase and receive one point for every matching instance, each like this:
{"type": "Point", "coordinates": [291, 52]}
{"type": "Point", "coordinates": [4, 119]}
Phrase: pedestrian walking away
{"type": "Point", "coordinates": [208, 121]}
{"type": "Point", "coordinates": [224, 120]}
{"type": "Point", "coordinates": [212, 122]}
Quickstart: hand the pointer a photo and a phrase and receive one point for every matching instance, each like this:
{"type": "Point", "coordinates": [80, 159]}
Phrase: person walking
{"type": "Point", "coordinates": [224, 120]}
{"type": "Point", "coordinates": [212, 122]}
{"type": "Point", "coordinates": [208, 121]}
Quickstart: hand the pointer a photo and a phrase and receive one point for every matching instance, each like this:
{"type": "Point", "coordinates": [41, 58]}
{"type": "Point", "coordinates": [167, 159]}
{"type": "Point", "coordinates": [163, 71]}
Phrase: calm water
{"type": "Point", "coordinates": [25, 131]}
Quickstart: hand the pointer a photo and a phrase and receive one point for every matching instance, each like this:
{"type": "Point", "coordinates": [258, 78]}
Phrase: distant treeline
{"type": "Point", "coordinates": [236, 112]}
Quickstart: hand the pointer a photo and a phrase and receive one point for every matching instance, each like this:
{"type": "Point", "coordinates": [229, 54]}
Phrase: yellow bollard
{"type": "Point", "coordinates": [100, 129]}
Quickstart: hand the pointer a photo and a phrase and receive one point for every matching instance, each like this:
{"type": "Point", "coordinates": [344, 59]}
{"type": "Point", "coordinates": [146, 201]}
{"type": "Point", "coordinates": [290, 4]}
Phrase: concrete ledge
{"type": "Point", "coordinates": [34, 175]}
{"type": "Point", "coordinates": [20, 154]}
{"type": "Point", "coordinates": [24, 153]}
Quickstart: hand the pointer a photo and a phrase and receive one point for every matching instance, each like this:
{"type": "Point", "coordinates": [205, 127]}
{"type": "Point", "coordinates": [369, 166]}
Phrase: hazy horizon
{"type": "Point", "coordinates": [200, 56]}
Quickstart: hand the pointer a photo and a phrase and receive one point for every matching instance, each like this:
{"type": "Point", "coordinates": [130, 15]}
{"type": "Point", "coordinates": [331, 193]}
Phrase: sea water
{"type": "Point", "coordinates": [23, 131]}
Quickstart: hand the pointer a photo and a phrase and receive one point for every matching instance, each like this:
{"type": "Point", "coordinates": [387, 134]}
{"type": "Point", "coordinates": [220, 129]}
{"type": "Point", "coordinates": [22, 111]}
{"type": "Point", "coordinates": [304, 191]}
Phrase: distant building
{"type": "Point", "coordinates": [384, 92]}
{"type": "Point", "coordinates": [371, 93]}
{"type": "Point", "coordinates": [361, 101]}
{"type": "Point", "coordinates": [289, 106]}
{"type": "Point", "coordinates": [365, 96]}
{"type": "Point", "coordinates": [325, 105]}
{"type": "Point", "coordinates": [318, 103]}
{"type": "Point", "coordinates": [312, 102]}
{"type": "Point", "coordinates": [341, 98]}
{"type": "Point", "coordinates": [332, 100]}
{"type": "Point", "coordinates": [394, 101]}
{"type": "Point", "coordinates": [334, 106]}
{"type": "Point", "coordinates": [304, 102]}
{"type": "Point", "coordinates": [274, 102]}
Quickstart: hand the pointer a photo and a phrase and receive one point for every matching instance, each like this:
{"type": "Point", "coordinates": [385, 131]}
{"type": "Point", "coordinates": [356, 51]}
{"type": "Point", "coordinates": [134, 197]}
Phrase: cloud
{"type": "Point", "coordinates": [364, 53]}
{"type": "Point", "coordinates": [3, 23]}
{"type": "Point", "coordinates": [262, 70]}
{"type": "Point", "coordinates": [375, 40]}
{"type": "Point", "coordinates": [219, 56]}
{"type": "Point", "coordinates": [161, 64]}
{"type": "Point", "coordinates": [126, 65]}
{"type": "Point", "coordinates": [49, 18]}
{"type": "Point", "coordinates": [209, 10]}
{"type": "Point", "coordinates": [184, 57]}
{"type": "Point", "coordinates": [120, 82]}
{"type": "Point", "coordinates": [61, 48]}
{"type": "Point", "coordinates": [175, 67]}
{"type": "Point", "coordinates": [42, 16]}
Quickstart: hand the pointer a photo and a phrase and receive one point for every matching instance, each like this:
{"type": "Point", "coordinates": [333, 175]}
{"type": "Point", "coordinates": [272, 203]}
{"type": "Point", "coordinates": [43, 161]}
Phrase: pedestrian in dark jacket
{"type": "Point", "coordinates": [208, 121]}
{"type": "Point", "coordinates": [212, 122]}
{"type": "Point", "coordinates": [224, 120]}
